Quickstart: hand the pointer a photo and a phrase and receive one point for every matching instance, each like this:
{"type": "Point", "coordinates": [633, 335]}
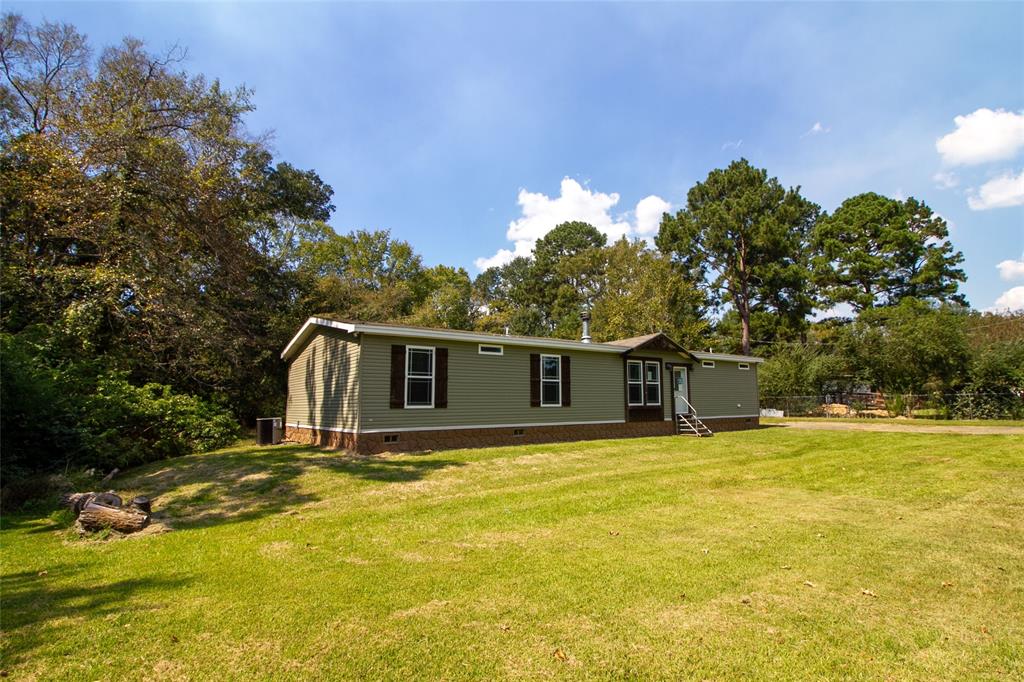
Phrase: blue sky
{"type": "Point", "coordinates": [469, 129]}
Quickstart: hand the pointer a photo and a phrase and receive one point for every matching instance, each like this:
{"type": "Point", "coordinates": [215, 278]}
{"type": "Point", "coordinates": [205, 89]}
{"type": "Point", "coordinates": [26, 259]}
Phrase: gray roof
{"type": "Point", "coordinates": [391, 329]}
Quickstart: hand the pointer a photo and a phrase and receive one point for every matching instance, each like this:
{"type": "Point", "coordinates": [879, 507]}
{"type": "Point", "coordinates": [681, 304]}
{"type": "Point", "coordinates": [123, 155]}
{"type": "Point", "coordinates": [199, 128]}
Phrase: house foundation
{"type": "Point", "coordinates": [448, 439]}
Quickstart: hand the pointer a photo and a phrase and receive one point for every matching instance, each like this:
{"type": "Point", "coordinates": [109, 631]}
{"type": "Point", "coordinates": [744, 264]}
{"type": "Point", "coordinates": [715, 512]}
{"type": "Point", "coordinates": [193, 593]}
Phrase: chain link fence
{"type": "Point", "coordinates": [1006, 404]}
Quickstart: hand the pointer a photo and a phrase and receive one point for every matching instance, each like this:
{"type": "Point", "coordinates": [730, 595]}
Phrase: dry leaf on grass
{"type": "Point", "coordinates": [946, 583]}
{"type": "Point", "coordinates": [868, 593]}
{"type": "Point", "coordinates": [560, 655]}
{"type": "Point", "coordinates": [809, 583]}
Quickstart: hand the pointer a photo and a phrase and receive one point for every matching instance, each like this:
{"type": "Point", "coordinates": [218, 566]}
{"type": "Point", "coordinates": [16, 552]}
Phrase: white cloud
{"type": "Point", "coordinates": [817, 129]}
{"type": "Point", "coordinates": [497, 260]}
{"type": "Point", "coordinates": [1012, 299]}
{"type": "Point", "coordinates": [944, 180]}
{"type": "Point", "coordinates": [541, 213]}
{"type": "Point", "coordinates": [648, 214]}
{"type": "Point", "coordinates": [732, 145]}
{"type": "Point", "coordinates": [1011, 269]}
{"type": "Point", "coordinates": [982, 136]}
{"type": "Point", "coordinates": [1001, 192]}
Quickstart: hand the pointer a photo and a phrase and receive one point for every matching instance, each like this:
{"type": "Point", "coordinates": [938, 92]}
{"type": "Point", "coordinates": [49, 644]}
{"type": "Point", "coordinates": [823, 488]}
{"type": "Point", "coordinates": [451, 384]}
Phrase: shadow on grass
{"type": "Point", "coordinates": [35, 604]}
{"type": "Point", "coordinates": [245, 483]}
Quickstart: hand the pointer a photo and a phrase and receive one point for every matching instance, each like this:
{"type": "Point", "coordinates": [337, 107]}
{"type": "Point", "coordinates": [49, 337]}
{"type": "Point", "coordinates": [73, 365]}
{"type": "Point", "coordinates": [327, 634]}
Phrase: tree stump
{"type": "Point", "coordinates": [95, 516]}
{"type": "Point", "coordinates": [96, 511]}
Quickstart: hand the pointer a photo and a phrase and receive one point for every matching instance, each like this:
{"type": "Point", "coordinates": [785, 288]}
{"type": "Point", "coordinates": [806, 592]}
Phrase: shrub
{"type": "Point", "coordinates": [38, 425]}
{"type": "Point", "coordinates": [80, 415]}
{"type": "Point", "coordinates": [128, 425]}
{"type": "Point", "coordinates": [996, 386]}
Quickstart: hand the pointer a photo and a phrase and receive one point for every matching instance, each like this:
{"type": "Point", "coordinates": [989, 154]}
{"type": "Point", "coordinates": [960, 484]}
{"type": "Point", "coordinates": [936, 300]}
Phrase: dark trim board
{"type": "Point", "coordinates": [643, 413]}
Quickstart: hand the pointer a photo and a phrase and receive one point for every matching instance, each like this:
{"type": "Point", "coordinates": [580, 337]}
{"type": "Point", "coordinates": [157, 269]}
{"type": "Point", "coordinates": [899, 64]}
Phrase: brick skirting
{"type": "Point", "coordinates": [325, 439]}
{"type": "Point", "coordinates": [411, 441]}
{"type": "Point", "coordinates": [732, 423]}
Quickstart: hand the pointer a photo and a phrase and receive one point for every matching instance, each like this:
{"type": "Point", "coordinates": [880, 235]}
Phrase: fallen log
{"type": "Point", "coordinates": [76, 501]}
{"type": "Point", "coordinates": [95, 516]}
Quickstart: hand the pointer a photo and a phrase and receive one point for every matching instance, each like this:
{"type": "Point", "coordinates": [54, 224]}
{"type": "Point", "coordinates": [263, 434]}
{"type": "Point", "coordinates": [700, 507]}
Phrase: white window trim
{"type": "Point", "coordinates": [635, 383]}
{"type": "Point", "coordinates": [647, 383]}
{"type": "Point", "coordinates": [480, 349]}
{"type": "Point", "coordinates": [744, 365]}
{"type": "Point", "coordinates": [432, 377]}
{"type": "Point", "coordinates": [708, 364]}
{"type": "Point", "coordinates": [558, 381]}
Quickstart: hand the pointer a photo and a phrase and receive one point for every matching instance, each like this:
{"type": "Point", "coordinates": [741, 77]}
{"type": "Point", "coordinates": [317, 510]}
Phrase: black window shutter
{"type": "Point", "coordinates": [534, 379]}
{"type": "Point", "coordinates": [398, 376]}
{"type": "Point", "coordinates": [440, 377]}
{"type": "Point", "coordinates": [566, 382]}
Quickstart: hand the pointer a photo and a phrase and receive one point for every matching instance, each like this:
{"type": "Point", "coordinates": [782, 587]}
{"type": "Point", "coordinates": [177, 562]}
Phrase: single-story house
{"type": "Point", "coordinates": [373, 387]}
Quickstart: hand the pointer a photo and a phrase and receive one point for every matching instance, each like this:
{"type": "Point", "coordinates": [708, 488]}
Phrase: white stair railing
{"type": "Point", "coordinates": [689, 422]}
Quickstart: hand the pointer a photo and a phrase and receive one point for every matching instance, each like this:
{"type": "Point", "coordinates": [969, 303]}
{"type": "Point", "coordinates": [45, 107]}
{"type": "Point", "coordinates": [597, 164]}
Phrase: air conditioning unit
{"type": "Point", "coordinates": [269, 430]}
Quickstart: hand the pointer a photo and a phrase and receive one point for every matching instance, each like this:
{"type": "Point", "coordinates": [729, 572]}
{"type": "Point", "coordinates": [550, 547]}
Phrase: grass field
{"type": "Point", "coordinates": [769, 554]}
{"type": "Point", "coordinates": [919, 421]}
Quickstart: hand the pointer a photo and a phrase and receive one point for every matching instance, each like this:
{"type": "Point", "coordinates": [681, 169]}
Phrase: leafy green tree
{"type": "Point", "coordinates": [448, 303]}
{"type": "Point", "coordinates": [911, 347]}
{"type": "Point", "coordinates": [800, 370]}
{"type": "Point", "coordinates": [748, 238]}
{"type": "Point", "coordinates": [567, 272]}
{"type": "Point", "coordinates": [142, 223]}
{"type": "Point", "coordinates": [45, 68]}
{"type": "Point", "coordinates": [995, 388]}
{"type": "Point", "coordinates": [643, 293]}
{"type": "Point", "coordinates": [364, 275]}
{"type": "Point", "coordinates": [504, 297]}
{"type": "Point", "coordinates": [877, 251]}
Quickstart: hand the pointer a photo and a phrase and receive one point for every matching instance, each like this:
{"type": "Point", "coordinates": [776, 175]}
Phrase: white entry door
{"type": "Point", "coordinates": [679, 390]}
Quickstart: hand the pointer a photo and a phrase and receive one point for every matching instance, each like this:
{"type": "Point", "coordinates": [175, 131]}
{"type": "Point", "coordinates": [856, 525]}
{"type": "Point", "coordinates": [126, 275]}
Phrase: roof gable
{"type": "Point", "coordinates": [656, 341]}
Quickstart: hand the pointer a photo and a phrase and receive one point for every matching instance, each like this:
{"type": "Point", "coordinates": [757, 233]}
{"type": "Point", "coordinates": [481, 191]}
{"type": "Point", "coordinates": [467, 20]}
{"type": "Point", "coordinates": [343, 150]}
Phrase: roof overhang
{"type": "Point", "coordinates": [313, 323]}
{"type": "Point", "coordinates": [725, 357]}
{"type": "Point", "coordinates": [307, 330]}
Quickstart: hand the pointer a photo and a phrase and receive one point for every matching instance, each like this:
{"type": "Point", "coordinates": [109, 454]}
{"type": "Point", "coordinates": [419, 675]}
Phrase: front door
{"type": "Point", "coordinates": [679, 397]}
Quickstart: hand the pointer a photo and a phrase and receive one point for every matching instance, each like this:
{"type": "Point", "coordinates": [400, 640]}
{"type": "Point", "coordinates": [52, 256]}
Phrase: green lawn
{"type": "Point", "coordinates": [769, 554]}
{"type": "Point", "coordinates": [919, 421]}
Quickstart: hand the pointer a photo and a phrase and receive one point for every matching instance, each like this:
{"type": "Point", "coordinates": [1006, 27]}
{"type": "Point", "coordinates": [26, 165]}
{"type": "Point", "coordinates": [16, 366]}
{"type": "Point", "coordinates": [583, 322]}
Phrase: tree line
{"type": "Point", "coordinates": [156, 257]}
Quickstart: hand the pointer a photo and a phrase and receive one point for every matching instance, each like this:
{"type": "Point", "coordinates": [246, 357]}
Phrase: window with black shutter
{"type": "Point", "coordinates": [419, 376]}
{"type": "Point", "coordinates": [550, 381]}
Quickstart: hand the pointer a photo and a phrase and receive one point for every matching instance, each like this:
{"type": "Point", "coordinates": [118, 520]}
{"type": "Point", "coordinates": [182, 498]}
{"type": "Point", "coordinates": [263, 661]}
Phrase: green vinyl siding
{"type": "Point", "coordinates": [724, 390]}
{"type": "Point", "coordinates": [489, 390]}
{"type": "Point", "coordinates": [323, 382]}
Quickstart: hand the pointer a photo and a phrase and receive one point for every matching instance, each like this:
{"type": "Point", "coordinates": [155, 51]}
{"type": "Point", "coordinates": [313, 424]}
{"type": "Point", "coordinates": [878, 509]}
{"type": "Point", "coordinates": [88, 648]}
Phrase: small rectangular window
{"type": "Point", "coordinates": [635, 382]}
{"type": "Point", "coordinates": [390, 437]}
{"type": "Point", "coordinates": [550, 380]}
{"type": "Point", "coordinates": [487, 349]}
{"type": "Point", "coordinates": [710, 364]}
{"type": "Point", "coordinates": [652, 380]}
{"type": "Point", "coordinates": [419, 376]}
{"type": "Point", "coordinates": [518, 432]}
{"type": "Point", "coordinates": [744, 365]}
